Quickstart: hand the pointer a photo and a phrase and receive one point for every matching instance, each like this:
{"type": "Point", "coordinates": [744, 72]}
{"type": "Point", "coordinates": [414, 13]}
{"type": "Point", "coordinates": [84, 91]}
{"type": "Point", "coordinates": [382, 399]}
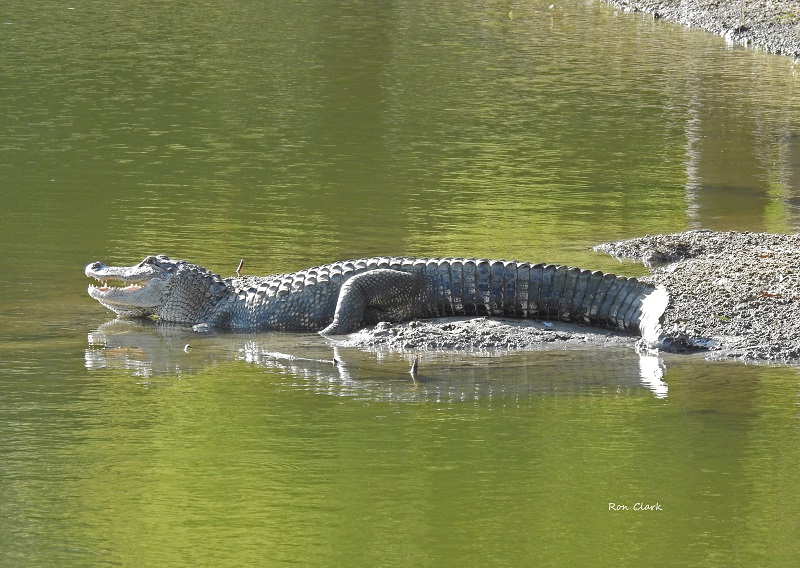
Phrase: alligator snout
{"type": "Point", "coordinates": [93, 267]}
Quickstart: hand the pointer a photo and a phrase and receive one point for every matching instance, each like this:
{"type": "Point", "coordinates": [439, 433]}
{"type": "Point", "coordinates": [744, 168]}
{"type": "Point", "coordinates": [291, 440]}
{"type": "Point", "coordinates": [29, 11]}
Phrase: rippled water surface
{"type": "Point", "coordinates": [292, 134]}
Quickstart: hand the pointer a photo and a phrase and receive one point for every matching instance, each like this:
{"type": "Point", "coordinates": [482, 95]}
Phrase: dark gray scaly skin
{"type": "Point", "coordinates": [341, 297]}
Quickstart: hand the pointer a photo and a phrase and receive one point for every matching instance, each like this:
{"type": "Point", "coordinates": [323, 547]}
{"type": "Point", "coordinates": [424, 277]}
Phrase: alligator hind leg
{"type": "Point", "coordinates": [376, 295]}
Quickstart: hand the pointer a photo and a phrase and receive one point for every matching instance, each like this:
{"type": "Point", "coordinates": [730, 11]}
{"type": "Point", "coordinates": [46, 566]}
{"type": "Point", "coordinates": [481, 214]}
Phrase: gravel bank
{"type": "Point", "coordinates": [736, 293]}
{"type": "Point", "coordinates": [771, 25]}
{"type": "Point", "coordinates": [480, 334]}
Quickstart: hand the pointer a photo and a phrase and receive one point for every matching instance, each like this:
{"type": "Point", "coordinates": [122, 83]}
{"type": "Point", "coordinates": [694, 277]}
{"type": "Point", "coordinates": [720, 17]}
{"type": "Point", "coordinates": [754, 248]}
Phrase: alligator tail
{"type": "Point", "coordinates": [547, 291]}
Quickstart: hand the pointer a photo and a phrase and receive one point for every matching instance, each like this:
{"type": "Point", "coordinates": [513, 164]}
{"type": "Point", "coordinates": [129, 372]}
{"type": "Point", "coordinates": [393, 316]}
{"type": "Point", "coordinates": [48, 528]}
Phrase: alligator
{"type": "Point", "coordinates": [342, 297]}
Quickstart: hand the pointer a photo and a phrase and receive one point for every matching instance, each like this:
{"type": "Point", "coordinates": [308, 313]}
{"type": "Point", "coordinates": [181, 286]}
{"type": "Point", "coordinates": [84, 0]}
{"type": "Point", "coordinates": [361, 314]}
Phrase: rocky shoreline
{"type": "Point", "coordinates": [771, 25]}
{"type": "Point", "coordinates": [734, 295]}
{"type": "Point", "coordinates": [737, 294]}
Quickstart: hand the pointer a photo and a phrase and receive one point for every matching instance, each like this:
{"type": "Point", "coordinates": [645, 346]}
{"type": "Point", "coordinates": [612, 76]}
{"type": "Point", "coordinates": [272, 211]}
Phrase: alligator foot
{"type": "Point", "coordinates": [373, 296]}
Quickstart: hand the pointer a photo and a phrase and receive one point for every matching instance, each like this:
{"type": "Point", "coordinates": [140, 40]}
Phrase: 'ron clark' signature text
{"type": "Point", "coordinates": [636, 507]}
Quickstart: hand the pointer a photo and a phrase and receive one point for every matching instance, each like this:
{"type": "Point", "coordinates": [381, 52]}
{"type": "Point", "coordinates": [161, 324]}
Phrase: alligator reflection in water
{"type": "Point", "coordinates": [150, 349]}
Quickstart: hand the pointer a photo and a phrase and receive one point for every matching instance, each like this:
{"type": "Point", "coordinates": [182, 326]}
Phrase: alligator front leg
{"type": "Point", "coordinates": [376, 295]}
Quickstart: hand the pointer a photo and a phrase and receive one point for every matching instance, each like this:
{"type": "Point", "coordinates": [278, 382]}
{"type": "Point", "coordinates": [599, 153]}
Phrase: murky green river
{"type": "Point", "coordinates": [296, 133]}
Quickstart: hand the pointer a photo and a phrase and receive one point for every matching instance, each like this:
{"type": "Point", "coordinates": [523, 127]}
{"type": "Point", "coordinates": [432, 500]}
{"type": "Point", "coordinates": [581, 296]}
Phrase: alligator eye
{"type": "Point", "coordinates": [148, 260]}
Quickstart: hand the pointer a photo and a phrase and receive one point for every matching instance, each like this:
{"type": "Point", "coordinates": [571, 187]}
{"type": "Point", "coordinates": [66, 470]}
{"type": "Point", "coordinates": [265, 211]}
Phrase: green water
{"type": "Point", "coordinates": [295, 133]}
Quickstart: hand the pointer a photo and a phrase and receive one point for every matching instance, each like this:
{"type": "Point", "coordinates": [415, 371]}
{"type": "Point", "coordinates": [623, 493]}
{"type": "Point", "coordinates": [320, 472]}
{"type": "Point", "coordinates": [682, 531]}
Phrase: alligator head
{"type": "Point", "coordinates": [144, 289]}
{"type": "Point", "coordinates": [172, 290]}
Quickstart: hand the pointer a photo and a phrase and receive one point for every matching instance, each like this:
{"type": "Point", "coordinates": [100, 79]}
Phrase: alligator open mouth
{"type": "Point", "coordinates": [114, 283]}
{"type": "Point", "coordinates": [105, 287]}
{"type": "Point", "coordinates": [129, 300]}
{"type": "Point", "coordinates": [128, 291]}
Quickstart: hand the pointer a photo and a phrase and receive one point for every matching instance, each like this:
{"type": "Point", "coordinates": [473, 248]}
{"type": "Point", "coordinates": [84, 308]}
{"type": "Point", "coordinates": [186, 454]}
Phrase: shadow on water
{"type": "Point", "coordinates": [150, 350]}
